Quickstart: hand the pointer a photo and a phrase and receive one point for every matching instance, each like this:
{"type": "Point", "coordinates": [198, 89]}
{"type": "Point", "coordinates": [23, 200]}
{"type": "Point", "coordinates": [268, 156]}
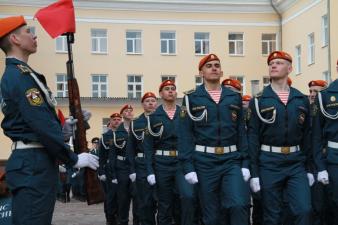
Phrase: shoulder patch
{"type": "Point", "coordinates": [34, 97]}
{"type": "Point", "coordinates": [24, 69]}
{"type": "Point", "coordinates": [190, 91]}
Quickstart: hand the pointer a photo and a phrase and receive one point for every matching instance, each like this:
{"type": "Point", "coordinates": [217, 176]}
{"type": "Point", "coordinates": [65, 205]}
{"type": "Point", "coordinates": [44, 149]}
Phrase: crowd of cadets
{"type": "Point", "coordinates": [195, 164]}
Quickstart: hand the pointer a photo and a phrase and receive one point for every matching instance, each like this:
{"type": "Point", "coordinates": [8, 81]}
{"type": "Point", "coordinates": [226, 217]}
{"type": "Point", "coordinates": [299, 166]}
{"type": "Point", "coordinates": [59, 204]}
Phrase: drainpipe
{"type": "Point", "coordinates": [280, 41]}
{"type": "Point", "coordinates": [329, 40]}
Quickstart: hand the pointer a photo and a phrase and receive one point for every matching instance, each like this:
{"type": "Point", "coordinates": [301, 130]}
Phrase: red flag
{"type": "Point", "coordinates": [57, 18]}
{"type": "Point", "coordinates": [61, 117]}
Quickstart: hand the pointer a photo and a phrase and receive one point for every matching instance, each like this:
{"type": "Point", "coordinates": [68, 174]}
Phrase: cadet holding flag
{"type": "Point", "coordinates": [279, 144]}
{"type": "Point", "coordinates": [30, 121]}
{"type": "Point", "coordinates": [212, 146]}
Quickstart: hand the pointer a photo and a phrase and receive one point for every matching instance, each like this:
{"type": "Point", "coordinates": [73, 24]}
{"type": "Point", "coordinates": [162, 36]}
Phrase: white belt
{"type": "Point", "coordinates": [121, 158]}
{"type": "Point", "coordinates": [140, 155]}
{"type": "Point", "coordinates": [332, 144]}
{"type": "Point", "coordinates": [21, 145]}
{"type": "Point", "coordinates": [172, 153]}
{"type": "Point", "coordinates": [284, 150]}
{"type": "Point", "coordinates": [216, 150]}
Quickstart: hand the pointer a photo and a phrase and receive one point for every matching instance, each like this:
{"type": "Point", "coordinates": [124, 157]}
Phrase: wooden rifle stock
{"type": "Point", "coordinates": [93, 187]}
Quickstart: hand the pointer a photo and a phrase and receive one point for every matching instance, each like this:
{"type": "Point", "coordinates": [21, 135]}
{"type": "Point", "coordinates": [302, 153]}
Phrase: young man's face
{"type": "Point", "coordinates": [211, 71]}
{"type": "Point", "coordinates": [279, 68]}
{"type": "Point", "coordinates": [245, 104]}
{"type": "Point", "coordinates": [168, 93]}
{"type": "Point", "coordinates": [149, 104]}
{"type": "Point", "coordinates": [115, 122]}
{"type": "Point", "coordinates": [95, 145]}
{"type": "Point", "coordinates": [128, 114]}
{"type": "Point", "coordinates": [24, 39]}
{"type": "Point", "coordinates": [313, 93]}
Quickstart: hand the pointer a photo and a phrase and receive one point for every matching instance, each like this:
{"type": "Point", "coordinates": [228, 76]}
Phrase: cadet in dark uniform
{"type": "Point", "coordinates": [325, 135]}
{"type": "Point", "coordinates": [279, 144]}
{"type": "Point", "coordinates": [163, 168]}
{"type": "Point", "coordinates": [105, 174]}
{"type": "Point", "coordinates": [95, 146]}
{"type": "Point", "coordinates": [213, 147]}
{"type": "Point", "coordinates": [30, 121]}
{"type": "Point", "coordinates": [135, 156]}
{"type": "Point", "coordinates": [118, 163]}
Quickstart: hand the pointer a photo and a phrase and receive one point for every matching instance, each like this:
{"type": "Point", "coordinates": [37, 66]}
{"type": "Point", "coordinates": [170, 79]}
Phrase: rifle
{"type": "Point", "coordinates": [94, 191]}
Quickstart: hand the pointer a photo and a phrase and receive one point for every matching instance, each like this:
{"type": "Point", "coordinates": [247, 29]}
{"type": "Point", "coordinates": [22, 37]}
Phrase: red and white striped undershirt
{"type": "Point", "coordinates": [170, 113]}
{"type": "Point", "coordinates": [215, 95]}
{"type": "Point", "coordinates": [283, 95]}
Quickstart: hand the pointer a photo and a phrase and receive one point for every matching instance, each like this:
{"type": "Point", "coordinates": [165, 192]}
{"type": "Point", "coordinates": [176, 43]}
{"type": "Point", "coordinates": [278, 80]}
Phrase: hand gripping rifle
{"type": "Point", "coordinates": [94, 191]}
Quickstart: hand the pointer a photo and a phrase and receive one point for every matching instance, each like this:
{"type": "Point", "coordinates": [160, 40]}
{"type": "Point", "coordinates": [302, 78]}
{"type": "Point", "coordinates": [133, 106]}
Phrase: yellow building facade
{"type": "Point", "coordinates": [125, 48]}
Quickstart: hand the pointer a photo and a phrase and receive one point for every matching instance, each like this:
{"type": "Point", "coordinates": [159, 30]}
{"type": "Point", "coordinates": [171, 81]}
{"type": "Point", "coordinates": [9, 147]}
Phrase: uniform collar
{"type": "Point", "coordinates": [268, 93]}
{"type": "Point", "coordinates": [12, 60]}
{"type": "Point", "coordinates": [202, 91]}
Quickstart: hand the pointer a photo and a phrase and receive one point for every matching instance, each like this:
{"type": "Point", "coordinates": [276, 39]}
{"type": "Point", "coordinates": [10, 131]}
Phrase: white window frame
{"type": "Point", "coordinates": [104, 124]}
{"type": "Point", "coordinates": [326, 76]}
{"type": "Point", "coordinates": [252, 90]}
{"type": "Point", "coordinates": [63, 41]}
{"type": "Point", "coordinates": [269, 43]}
{"type": "Point", "coordinates": [168, 41]}
{"type": "Point", "coordinates": [325, 31]}
{"type": "Point", "coordinates": [298, 59]}
{"type": "Point", "coordinates": [134, 41]}
{"type": "Point", "coordinates": [134, 91]}
{"type": "Point", "coordinates": [99, 40]}
{"type": "Point", "coordinates": [202, 42]}
{"type": "Point", "coordinates": [99, 83]}
{"type": "Point", "coordinates": [240, 78]}
{"type": "Point", "coordinates": [198, 83]}
{"type": "Point", "coordinates": [63, 93]}
{"type": "Point", "coordinates": [311, 49]}
{"type": "Point", "coordinates": [236, 44]}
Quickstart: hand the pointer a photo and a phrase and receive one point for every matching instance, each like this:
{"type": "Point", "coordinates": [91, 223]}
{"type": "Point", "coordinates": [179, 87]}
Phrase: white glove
{"type": "Point", "coordinates": [86, 115]}
{"type": "Point", "coordinates": [254, 184]}
{"type": "Point", "coordinates": [132, 177]}
{"type": "Point", "coordinates": [151, 179]}
{"type": "Point", "coordinates": [68, 127]}
{"type": "Point", "coordinates": [87, 160]}
{"type": "Point", "coordinates": [323, 177]}
{"type": "Point", "coordinates": [311, 179]}
{"type": "Point", "coordinates": [114, 181]}
{"type": "Point", "coordinates": [102, 177]}
{"type": "Point", "coordinates": [191, 178]}
{"type": "Point", "coordinates": [246, 174]}
{"type": "Point", "coordinates": [62, 169]}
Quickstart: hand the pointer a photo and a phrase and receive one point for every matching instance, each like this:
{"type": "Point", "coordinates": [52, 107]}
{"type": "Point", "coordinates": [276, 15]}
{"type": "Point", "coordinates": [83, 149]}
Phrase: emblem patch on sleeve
{"type": "Point", "coordinates": [34, 97]}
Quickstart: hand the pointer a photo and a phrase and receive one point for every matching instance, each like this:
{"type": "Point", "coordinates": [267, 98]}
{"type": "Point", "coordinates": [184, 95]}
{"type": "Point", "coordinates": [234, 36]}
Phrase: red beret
{"type": "Point", "coordinates": [9, 24]}
{"type": "Point", "coordinates": [207, 58]}
{"type": "Point", "coordinates": [279, 55]}
{"type": "Point", "coordinates": [115, 115]}
{"type": "Point", "coordinates": [234, 83]}
{"type": "Point", "coordinates": [148, 95]}
{"type": "Point", "coordinates": [126, 107]}
{"type": "Point", "coordinates": [289, 81]}
{"type": "Point", "coordinates": [246, 98]}
{"type": "Point", "coordinates": [166, 83]}
{"type": "Point", "coordinates": [320, 83]}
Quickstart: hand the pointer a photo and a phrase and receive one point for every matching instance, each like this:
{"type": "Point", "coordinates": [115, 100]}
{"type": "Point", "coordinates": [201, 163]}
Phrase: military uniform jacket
{"type": "Point", "coordinates": [222, 126]}
{"type": "Point", "coordinates": [27, 115]}
{"type": "Point", "coordinates": [290, 128]}
{"type": "Point", "coordinates": [325, 129]}
{"type": "Point", "coordinates": [107, 157]}
{"type": "Point", "coordinates": [135, 143]}
{"type": "Point", "coordinates": [166, 141]}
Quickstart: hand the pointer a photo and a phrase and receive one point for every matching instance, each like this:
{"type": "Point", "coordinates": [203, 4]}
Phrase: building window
{"type": "Point", "coordinates": [266, 81]}
{"type": "Point", "coordinates": [236, 43]}
{"type": "Point", "coordinates": [298, 59]}
{"type": "Point", "coordinates": [134, 42]}
{"type": "Point", "coordinates": [135, 86]}
{"type": "Point", "coordinates": [326, 76]}
{"type": "Point", "coordinates": [32, 29]}
{"type": "Point", "coordinates": [254, 87]}
{"type": "Point", "coordinates": [99, 41]}
{"type": "Point", "coordinates": [61, 85]}
{"type": "Point", "coordinates": [201, 43]}
{"type": "Point", "coordinates": [168, 77]}
{"type": "Point", "coordinates": [198, 80]}
{"type": "Point", "coordinates": [99, 85]}
{"type": "Point", "coordinates": [240, 79]}
{"type": "Point", "coordinates": [61, 44]}
{"type": "Point", "coordinates": [325, 31]}
{"type": "Point", "coordinates": [311, 49]}
{"type": "Point", "coordinates": [268, 43]}
{"type": "Point", "coordinates": [168, 42]}
{"type": "Point", "coordinates": [105, 121]}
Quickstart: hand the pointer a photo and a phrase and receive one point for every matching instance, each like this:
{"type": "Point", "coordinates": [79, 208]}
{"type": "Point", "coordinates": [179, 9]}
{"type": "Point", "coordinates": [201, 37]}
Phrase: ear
{"type": "Point", "coordinates": [201, 73]}
{"type": "Point", "coordinates": [290, 68]}
{"type": "Point", "coordinates": [161, 94]}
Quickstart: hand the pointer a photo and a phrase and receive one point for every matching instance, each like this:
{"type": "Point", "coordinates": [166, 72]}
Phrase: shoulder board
{"type": "Point", "coordinates": [259, 94]}
{"type": "Point", "coordinates": [24, 69]}
{"type": "Point", "coordinates": [190, 91]}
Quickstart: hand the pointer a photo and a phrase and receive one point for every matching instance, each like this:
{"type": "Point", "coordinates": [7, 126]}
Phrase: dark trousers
{"type": "Point", "coordinates": [333, 186]}
{"type": "Point", "coordinates": [110, 200]}
{"type": "Point", "coordinates": [146, 201]}
{"type": "Point", "coordinates": [32, 178]}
